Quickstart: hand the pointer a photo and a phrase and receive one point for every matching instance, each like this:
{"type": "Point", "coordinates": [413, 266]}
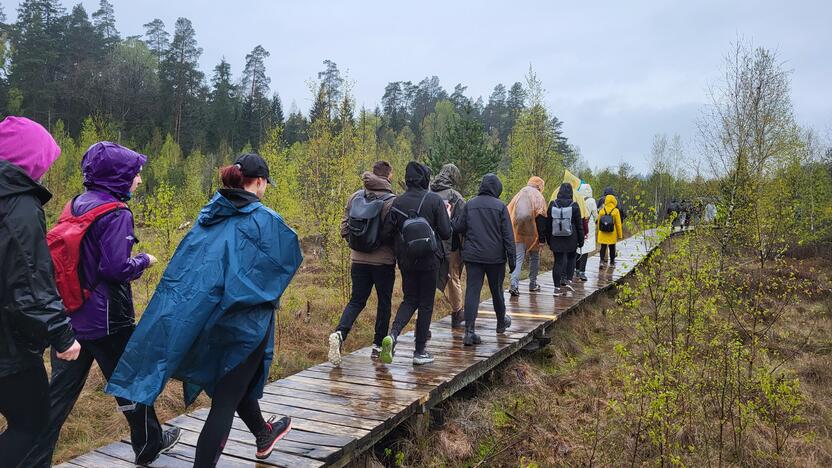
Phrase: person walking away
{"type": "Point", "coordinates": [489, 245]}
{"type": "Point", "coordinates": [373, 263]}
{"type": "Point", "coordinates": [565, 234]}
{"type": "Point", "coordinates": [31, 312]}
{"type": "Point", "coordinates": [621, 208]}
{"type": "Point", "coordinates": [210, 322]}
{"type": "Point", "coordinates": [710, 213]}
{"type": "Point", "coordinates": [103, 316]}
{"type": "Point", "coordinates": [420, 222]}
{"type": "Point", "coordinates": [528, 218]}
{"type": "Point", "coordinates": [609, 229]}
{"type": "Point", "coordinates": [589, 233]}
{"type": "Point", "coordinates": [445, 185]}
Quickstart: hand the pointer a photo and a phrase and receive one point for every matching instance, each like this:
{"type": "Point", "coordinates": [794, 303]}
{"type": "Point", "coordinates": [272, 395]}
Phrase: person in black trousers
{"type": "Point", "coordinates": [488, 245]}
{"type": "Point", "coordinates": [418, 273]}
{"type": "Point", "coordinates": [564, 234]}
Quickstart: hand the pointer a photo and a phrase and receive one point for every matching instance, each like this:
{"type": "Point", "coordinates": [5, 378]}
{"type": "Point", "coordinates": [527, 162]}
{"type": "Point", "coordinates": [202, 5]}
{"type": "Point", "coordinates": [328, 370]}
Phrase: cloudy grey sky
{"type": "Point", "coordinates": [615, 72]}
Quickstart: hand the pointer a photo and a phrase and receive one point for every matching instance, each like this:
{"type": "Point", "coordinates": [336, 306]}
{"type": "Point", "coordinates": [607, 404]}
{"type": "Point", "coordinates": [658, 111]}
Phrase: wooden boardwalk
{"type": "Point", "coordinates": [340, 412]}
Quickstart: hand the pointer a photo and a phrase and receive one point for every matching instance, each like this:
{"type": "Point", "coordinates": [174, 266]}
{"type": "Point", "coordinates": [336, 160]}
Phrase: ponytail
{"type": "Point", "coordinates": [232, 177]}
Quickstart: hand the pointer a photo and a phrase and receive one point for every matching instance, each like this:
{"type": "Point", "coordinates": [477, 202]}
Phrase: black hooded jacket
{"type": "Point", "coordinates": [620, 206]}
{"type": "Point", "coordinates": [486, 225]}
{"type": "Point", "coordinates": [417, 178]}
{"type": "Point", "coordinates": [31, 312]}
{"type": "Point", "coordinates": [571, 243]}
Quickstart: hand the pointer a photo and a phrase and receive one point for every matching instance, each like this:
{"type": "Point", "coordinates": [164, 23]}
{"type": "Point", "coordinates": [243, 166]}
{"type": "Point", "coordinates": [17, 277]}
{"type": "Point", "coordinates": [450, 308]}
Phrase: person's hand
{"type": "Point", "coordinates": [72, 353]}
{"type": "Point", "coordinates": [153, 260]}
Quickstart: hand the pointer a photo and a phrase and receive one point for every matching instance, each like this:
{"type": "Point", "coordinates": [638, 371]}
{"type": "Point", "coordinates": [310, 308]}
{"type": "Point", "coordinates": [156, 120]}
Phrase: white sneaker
{"type": "Point", "coordinates": [335, 344]}
{"type": "Point", "coordinates": [558, 292]}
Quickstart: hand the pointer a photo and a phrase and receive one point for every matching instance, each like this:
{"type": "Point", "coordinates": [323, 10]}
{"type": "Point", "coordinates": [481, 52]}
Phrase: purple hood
{"type": "Point", "coordinates": [110, 167]}
{"type": "Point", "coordinates": [27, 145]}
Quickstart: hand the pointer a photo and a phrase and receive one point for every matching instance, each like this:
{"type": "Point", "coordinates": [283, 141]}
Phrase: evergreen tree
{"type": "Point", "coordinates": [296, 128]}
{"type": "Point", "coordinates": [332, 84]}
{"type": "Point", "coordinates": [496, 114]}
{"type": "Point", "coordinates": [320, 108]}
{"type": "Point", "coordinates": [158, 39]}
{"type": "Point", "coordinates": [181, 79]}
{"type": "Point", "coordinates": [394, 106]}
{"type": "Point", "coordinates": [461, 102]}
{"type": "Point", "coordinates": [255, 89]}
{"type": "Point", "coordinates": [104, 20]}
{"type": "Point", "coordinates": [223, 106]}
{"type": "Point", "coordinates": [276, 114]}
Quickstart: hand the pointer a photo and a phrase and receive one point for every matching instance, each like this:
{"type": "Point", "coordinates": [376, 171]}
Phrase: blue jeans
{"type": "Point", "coordinates": [534, 265]}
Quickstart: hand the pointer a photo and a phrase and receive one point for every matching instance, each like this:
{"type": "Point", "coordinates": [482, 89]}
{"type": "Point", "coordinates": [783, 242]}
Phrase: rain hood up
{"type": "Point", "coordinates": [109, 167]}
{"type": "Point", "coordinates": [214, 304]}
{"type": "Point", "coordinates": [27, 145]}
{"type": "Point", "coordinates": [524, 209]}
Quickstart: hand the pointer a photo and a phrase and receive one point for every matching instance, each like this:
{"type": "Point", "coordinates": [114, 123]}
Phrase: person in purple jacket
{"type": "Point", "coordinates": [106, 320]}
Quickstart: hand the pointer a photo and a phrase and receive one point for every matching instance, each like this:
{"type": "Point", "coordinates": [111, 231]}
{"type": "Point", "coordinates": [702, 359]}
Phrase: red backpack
{"type": "Point", "coordinates": [64, 242]}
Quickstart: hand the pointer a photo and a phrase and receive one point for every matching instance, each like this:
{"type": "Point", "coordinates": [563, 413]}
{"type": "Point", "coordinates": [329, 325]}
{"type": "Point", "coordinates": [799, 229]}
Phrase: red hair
{"type": "Point", "coordinates": [232, 177]}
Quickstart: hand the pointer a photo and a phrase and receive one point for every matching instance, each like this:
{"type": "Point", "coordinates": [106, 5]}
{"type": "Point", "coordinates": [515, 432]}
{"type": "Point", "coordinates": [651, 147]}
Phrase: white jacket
{"type": "Point", "coordinates": [592, 209]}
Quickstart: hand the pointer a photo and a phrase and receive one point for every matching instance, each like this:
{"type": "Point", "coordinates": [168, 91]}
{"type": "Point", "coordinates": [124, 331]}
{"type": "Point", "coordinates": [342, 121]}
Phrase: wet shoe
{"type": "Point", "coordinates": [388, 349]}
{"type": "Point", "coordinates": [568, 287]}
{"type": "Point", "coordinates": [471, 338]}
{"type": "Point", "coordinates": [336, 342]}
{"type": "Point", "coordinates": [515, 292]}
{"type": "Point", "coordinates": [558, 292]}
{"type": "Point", "coordinates": [535, 288]}
{"type": "Point", "coordinates": [169, 439]}
{"type": "Point", "coordinates": [506, 324]}
{"type": "Point", "coordinates": [420, 359]}
{"type": "Point", "coordinates": [458, 319]}
{"type": "Point", "coordinates": [375, 352]}
{"type": "Point", "coordinates": [268, 437]}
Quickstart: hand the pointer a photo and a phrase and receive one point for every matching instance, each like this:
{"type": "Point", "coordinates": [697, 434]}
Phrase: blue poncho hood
{"type": "Point", "coordinates": [214, 304]}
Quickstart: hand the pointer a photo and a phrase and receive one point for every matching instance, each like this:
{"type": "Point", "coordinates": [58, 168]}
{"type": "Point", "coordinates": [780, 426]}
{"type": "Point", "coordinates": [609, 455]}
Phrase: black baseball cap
{"type": "Point", "coordinates": [253, 165]}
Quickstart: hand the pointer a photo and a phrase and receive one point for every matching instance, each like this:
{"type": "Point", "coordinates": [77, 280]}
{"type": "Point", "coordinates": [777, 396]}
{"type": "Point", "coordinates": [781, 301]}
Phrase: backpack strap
{"type": "Point", "coordinates": [419, 210]}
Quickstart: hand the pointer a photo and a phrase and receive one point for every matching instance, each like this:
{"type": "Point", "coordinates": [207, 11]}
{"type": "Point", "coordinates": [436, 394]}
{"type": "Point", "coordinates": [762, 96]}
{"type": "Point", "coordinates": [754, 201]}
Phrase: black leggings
{"type": "Point", "coordinates": [496, 273]}
{"type": "Point", "coordinates": [604, 252]}
{"type": "Point", "coordinates": [24, 402]}
{"type": "Point", "coordinates": [230, 395]}
{"type": "Point", "coordinates": [564, 267]}
{"type": "Point", "coordinates": [580, 264]}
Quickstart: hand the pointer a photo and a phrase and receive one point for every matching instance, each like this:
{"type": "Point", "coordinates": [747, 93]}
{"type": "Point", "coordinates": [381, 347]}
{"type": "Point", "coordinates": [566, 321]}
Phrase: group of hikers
{"type": "Point", "coordinates": [210, 322]}
{"type": "Point", "coordinates": [685, 212]}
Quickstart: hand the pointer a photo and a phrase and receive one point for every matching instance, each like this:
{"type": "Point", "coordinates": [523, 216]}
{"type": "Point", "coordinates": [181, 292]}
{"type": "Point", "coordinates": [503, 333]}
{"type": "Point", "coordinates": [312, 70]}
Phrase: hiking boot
{"type": "Point", "coordinates": [388, 349]}
{"type": "Point", "coordinates": [336, 342]}
{"type": "Point", "coordinates": [514, 291]}
{"type": "Point", "coordinates": [271, 433]}
{"type": "Point", "coordinates": [580, 275]}
{"type": "Point", "coordinates": [420, 359]}
{"type": "Point", "coordinates": [375, 352]}
{"type": "Point", "coordinates": [534, 288]}
{"type": "Point", "coordinates": [169, 439]}
{"type": "Point", "coordinates": [458, 319]}
{"type": "Point", "coordinates": [506, 324]}
{"type": "Point", "coordinates": [471, 338]}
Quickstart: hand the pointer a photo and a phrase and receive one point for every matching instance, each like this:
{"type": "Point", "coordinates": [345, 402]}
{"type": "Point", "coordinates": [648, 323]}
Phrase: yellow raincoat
{"type": "Point", "coordinates": [609, 208]}
{"type": "Point", "coordinates": [524, 209]}
{"type": "Point", "coordinates": [575, 182]}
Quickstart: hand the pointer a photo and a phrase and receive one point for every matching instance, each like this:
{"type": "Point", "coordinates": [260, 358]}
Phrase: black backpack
{"type": "Point", "coordinates": [417, 234]}
{"type": "Point", "coordinates": [606, 223]}
{"type": "Point", "coordinates": [365, 221]}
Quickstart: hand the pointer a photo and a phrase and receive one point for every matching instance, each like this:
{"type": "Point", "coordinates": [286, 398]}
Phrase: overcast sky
{"type": "Point", "coordinates": [615, 72]}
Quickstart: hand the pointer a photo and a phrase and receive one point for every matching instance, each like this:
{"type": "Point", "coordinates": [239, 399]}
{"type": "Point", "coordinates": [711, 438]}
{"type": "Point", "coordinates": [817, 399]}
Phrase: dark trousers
{"type": "Point", "coordinates": [68, 379]}
{"type": "Point", "coordinates": [563, 260]}
{"type": "Point", "coordinates": [604, 248]}
{"type": "Point", "coordinates": [496, 274]}
{"type": "Point", "coordinates": [419, 288]}
{"type": "Point", "coordinates": [24, 402]}
{"type": "Point", "coordinates": [364, 278]}
{"type": "Point", "coordinates": [580, 264]}
{"type": "Point", "coordinates": [230, 396]}
{"type": "Point", "coordinates": [571, 261]}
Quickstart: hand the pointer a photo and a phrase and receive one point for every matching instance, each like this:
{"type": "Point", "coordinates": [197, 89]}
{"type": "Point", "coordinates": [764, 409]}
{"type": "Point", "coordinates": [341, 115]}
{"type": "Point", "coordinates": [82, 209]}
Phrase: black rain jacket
{"type": "Point", "coordinates": [31, 312]}
{"type": "Point", "coordinates": [486, 225]}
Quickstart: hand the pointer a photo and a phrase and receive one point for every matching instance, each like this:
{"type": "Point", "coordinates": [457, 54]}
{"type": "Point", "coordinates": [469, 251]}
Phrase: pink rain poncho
{"type": "Point", "coordinates": [524, 209]}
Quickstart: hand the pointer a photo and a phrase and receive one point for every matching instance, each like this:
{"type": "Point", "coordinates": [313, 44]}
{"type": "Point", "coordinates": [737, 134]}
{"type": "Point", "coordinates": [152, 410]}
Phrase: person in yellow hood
{"type": "Point", "coordinates": [609, 228]}
{"type": "Point", "coordinates": [528, 216]}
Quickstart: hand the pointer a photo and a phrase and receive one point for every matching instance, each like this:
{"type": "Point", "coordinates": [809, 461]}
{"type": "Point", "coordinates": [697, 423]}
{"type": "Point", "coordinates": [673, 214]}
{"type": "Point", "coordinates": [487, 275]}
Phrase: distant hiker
{"type": "Point", "coordinates": [673, 209]}
{"type": "Point", "coordinates": [489, 244]}
{"type": "Point", "coordinates": [609, 228]}
{"type": "Point", "coordinates": [565, 234]}
{"type": "Point", "coordinates": [687, 214]}
{"type": "Point", "coordinates": [528, 219]}
{"type": "Point", "coordinates": [420, 222]}
{"type": "Point", "coordinates": [210, 322]}
{"type": "Point", "coordinates": [373, 261]}
{"type": "Point", "coordinates": [450, 272]}
{"type": "Point", "coordinates": [710, 212]}
{"type": "Point", "coordinates": [589, 233]}
{"type": "Point", "coordinates": [621, 208]}
{"type": "Point", "coordinates": [31, 313]}
{"type": "Point", "coordinates": [578, 198]}
{"type": "Point", "coordinates": [102, 310]}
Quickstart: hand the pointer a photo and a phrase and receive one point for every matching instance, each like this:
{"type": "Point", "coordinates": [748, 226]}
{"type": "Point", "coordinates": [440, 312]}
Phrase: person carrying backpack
{"type": "Point", "coordinates": [609, 228]}
{"type": "Point", "coordinates": [621, 209]}
{"type": "Point", "coordinates": [104, 318]}
{"type": "Point", "coordinates": [489, 244]}
{"type": "Point", "coordinates": [528, 218]}
{"type": "Point", "coordinates": [371, 255]}
{"type": "Point", "coordinates": [450, 271]}
{"type": "Point", "coordinates": [420, 222]}
{"type": "Point", "coordinates": [589, 235]}
{"type": "Point", "coordinates": [565, 234]}
{"type": "Point", "coordinates": [31, 313]}
{"type": "Point", "coordinates": [210, 322]}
